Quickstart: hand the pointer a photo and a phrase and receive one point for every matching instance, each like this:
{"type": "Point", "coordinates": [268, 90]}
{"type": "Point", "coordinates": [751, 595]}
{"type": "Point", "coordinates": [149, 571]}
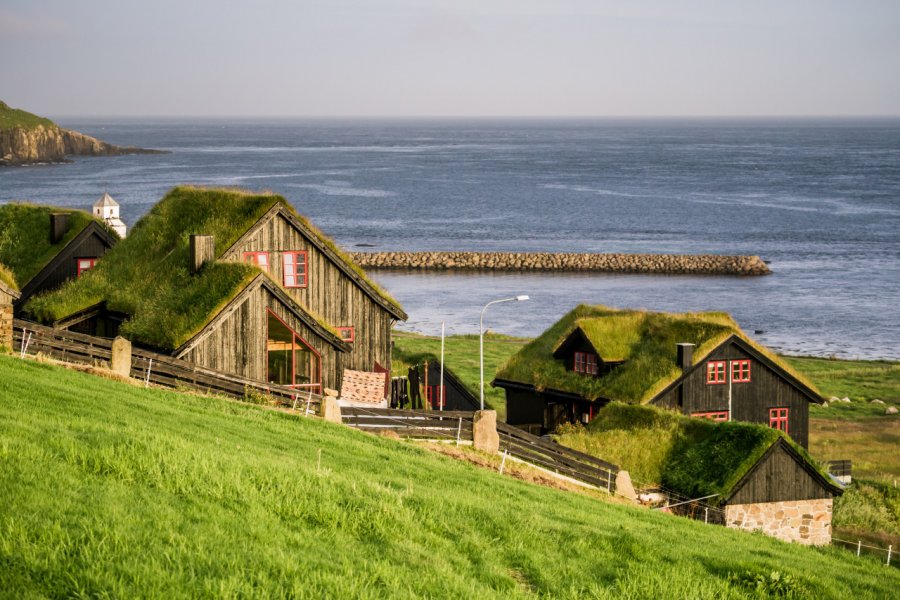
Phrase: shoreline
{"type": "Point", "coordinates": [665, 264]}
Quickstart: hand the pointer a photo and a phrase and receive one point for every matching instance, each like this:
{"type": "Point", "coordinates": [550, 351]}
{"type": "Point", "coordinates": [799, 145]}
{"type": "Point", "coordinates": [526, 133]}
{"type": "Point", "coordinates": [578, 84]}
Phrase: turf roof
{"type": "Point", "coordinates": [706, 457]}
{"type": "Point", "coordinates": [647, 340]}
{"type": "Point", "coordinates": [25, 246]}
{"type": "Point", "coordinates": [147, 277]}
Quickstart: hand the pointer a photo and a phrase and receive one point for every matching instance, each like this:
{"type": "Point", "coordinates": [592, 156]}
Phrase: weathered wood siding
{"type": "Point", "coordinates": [779, 478]}
{"type": "Point", "coordinates": [237, 343]}
{"type": "Point", "coordinates": [63, 267]}
{"type": "Point", "coordinates": [750, 401]}
{"type": "Point", "coordinates": [329, 293]}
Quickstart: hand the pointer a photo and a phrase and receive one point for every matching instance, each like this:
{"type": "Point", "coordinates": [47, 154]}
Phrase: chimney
{"type": "Point", "coordinates": [59, 225]}
{"type": "Point", "coordinates": [684, 355]}
{"type": "Point", "coordinates": [203, 250]}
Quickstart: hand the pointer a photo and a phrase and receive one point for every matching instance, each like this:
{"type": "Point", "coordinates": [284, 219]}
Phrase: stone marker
{"type": "Point", "coordinates": [330, 410]}
{"type": "Point", "coordinates": [484, 431]}
{"type": "Point", "coordinates": [624, 486]}
{"type": "Point", "coordinates": [120, 361]}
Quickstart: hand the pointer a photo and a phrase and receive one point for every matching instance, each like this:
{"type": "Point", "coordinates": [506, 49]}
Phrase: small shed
{"type": "Point", "coordinates": [453, 393]}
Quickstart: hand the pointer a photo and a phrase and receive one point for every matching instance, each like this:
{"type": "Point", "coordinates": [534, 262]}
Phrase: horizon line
{"type": "Point", "coordinates": [476, 117]}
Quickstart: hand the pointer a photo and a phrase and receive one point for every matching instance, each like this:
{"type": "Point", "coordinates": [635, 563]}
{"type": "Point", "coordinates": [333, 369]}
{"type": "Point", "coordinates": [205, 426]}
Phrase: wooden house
{"type": "Point", "coordinates": [453, 394]}
{"type": "Point", "coordinates": [700, 364]}
{"type": "Point", "coordinates": [46, 246]}
{"type": "Point", "coordinates": [236, 282]}
{"type": "Point", "coordinates": [9, 293]}
{"type": "Point", "coordinates": [741, 475]}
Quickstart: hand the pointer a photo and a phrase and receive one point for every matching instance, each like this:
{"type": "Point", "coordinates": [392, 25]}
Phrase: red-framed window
{"type": "Point", "coordinates": [436, 396]}
{"type": "Point", "coordinates": [295, 275]}
{"type": "Point", "coordinates": [85, 264]}
{"type": "Point", "coordinates": [347, 334]}
{"type": "Point", "coordinates": [715, 372]}
{"type": "Point", "coordinates": [778, 419]}
{"type": "Point", "coordinates": [719, 415]}
{"type": "Point", "coordinates": [260, 259]}
{"type": "Point", "coordinates": [740, 371]}
{"type": "Point", "coordinates": [290, 359]}
{"type": "Point", "coordinates": [586, 362]}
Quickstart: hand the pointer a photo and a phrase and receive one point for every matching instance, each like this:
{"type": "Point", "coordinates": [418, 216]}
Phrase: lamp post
{"type": "Point", "coordinates": [481, 336]}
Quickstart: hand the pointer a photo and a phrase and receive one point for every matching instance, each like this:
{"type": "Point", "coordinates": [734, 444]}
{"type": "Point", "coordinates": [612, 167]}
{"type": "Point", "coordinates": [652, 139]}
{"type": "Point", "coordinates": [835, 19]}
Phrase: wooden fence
{"type": "Point", "coordinates": [152, 367]}
{"type": "Point", "coordinates": [554, 457]}
{"type": "Point", "coordinates": [430, 424]}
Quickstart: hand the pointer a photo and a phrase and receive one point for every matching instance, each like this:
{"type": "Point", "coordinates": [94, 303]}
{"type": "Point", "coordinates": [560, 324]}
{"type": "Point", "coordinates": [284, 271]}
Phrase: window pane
{"type": "Point", "coordinates": [279, 347]}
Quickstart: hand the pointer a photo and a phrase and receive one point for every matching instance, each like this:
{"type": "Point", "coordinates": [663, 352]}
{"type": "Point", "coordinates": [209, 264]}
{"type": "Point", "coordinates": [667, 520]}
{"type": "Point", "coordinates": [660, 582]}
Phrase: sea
{"type": "Point", "coordinates": [819, 199]}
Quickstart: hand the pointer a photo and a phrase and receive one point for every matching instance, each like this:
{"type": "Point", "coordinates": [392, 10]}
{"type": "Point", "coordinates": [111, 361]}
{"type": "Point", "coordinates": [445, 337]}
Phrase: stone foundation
{"type": "Point", "coordinates": [707, 264]}
{"type": "Point", "coordinates": [6, 326]}
{"type": "Point", "coordinates": [802, 521]}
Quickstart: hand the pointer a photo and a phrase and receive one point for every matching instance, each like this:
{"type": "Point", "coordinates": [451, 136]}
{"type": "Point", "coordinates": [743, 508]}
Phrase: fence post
{"type": "Point", "coordinates": [858, 547]}
{"type": "Point", "coordinates": [484, 431]}
{"type": "Point", "coordinates": [458, 431]}
{"type": "Point", "coordinates": [890, 548]}
{"type": "Point", "coordinates": [503, 462]}
{"type": "Point", "coordinates": [120, 357]}
{"type": "Point", "coordinates": [331, 410]}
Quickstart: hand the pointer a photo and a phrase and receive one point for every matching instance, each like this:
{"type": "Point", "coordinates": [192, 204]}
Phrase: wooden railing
{"type": "Point", "coordinates": [430, 424]}
{"type": "Point", "coordinates": [560, 459]}
{"type": "Point", "coordinates": [152, 367]}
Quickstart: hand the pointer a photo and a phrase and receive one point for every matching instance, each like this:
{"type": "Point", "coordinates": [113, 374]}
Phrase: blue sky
{"type": "Point", "coordinates": [451, 57]}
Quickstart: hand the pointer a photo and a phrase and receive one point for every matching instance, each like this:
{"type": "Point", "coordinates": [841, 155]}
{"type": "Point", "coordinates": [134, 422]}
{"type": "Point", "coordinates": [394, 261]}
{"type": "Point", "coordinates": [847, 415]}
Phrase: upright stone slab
{"type": "Point", "coordinates": [624, 487]}
{"type": "Point", "coordinates": [120, 362]}
{"type": "Point", "coordinates": [484, 431]}
{"type": "Point", "coordinates": [330, 409]}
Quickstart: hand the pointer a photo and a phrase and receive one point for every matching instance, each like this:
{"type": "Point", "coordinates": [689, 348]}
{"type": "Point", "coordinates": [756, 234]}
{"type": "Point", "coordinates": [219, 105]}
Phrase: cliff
{"type": "Point", "coordinates": [28, 139]}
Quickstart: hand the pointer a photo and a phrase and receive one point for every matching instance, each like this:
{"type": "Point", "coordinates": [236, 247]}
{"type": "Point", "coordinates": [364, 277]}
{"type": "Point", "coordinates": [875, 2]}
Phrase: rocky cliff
{"type": "Point", "coordinates": [52, 144]}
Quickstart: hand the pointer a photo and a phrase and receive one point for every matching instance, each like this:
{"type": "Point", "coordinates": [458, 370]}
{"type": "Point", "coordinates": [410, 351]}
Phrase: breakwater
{"type": "Point", "coordinates": [696, 264]}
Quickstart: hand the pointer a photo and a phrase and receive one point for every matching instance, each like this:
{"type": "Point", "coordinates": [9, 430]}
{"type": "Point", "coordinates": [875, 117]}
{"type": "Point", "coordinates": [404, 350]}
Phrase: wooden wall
{"type": "Point", "coordinates": [779, 477]}
{"type": "Point", "coordinates": [329, 294]}
{"type": "Point", "coordinates": [237, 342]}
{"type": "Point", "coordinates": [750, 401]}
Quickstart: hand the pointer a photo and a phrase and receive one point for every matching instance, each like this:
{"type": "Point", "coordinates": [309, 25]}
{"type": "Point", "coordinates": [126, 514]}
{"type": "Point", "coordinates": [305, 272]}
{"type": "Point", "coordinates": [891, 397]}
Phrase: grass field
{"type": "Point", "coordinates": [112, 490]}
{"type": "Point", "coordinates": [14, 117]}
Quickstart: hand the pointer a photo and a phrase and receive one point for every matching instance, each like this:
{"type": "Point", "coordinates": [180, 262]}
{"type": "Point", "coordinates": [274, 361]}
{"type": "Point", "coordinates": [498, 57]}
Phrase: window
{"type": "Point", "coordinates": [290, 360]}
{"type": "Point", "coordinates": [436, 396]}
{"type": "Point", "coordinates": [740, 371]}
{"type": "Point", "coordinates": [778, 419]}
{"type": "Point", "coordinates": [260, 259]}
{"type": "Point", "coordinates": [346, 333]}
{"type": "Point", "coordinates": [294, 269]}
{"type": "Point", "coordinates": [85, 264]}
{"type": "Point", "coordinates": [586, 362]}
{"type": "Point", "coordinates": [721, 415]}
{"type": "Point", "coordinates": [715, 371]}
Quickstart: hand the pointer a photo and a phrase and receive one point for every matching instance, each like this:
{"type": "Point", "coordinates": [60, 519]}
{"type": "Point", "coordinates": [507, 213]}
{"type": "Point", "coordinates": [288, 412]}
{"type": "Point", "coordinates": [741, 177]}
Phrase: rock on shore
{"type": "Point", "coordinates": [698, 264]}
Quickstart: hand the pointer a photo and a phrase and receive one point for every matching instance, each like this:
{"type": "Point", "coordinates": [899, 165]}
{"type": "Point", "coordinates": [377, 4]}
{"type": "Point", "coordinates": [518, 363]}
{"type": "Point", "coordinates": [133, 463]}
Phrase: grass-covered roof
{"type": "Point", "coordinates": [645, 340]}
{"type": "Point", "coordinates": [8, 279]}
{"type": "Point", "coordinates": [11, 118]}
{"type": "Point", "coordinates": [694, 457]}
{"type": "Point", "coordinates": [147, 275]}
{"type": "Point", "coordinates": [25, 246]}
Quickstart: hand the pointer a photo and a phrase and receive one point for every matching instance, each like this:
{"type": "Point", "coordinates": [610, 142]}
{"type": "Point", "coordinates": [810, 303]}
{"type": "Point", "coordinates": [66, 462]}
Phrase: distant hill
{"type": "Point", "coordinates": [26, 138]}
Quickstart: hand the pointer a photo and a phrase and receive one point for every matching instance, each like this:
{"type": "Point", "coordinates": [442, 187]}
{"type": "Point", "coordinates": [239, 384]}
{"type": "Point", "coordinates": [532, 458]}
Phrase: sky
{"type": "Point", "coordinates": [418, 58]}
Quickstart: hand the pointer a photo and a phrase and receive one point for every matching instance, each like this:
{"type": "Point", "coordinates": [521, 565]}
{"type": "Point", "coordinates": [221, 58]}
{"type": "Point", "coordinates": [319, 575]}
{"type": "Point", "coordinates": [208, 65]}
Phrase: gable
{"type": "Point", "coordinates": [782, 474]}
{"type": "Point", "coordinates": [281, 230]}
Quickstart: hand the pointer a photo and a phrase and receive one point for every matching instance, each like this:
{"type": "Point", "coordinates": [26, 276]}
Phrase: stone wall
{"type": "Point", "coordinates": [803, 521]}
{"type": "Point", "coordinates": [6, 324]}
{"type": "Point", "coordinates": [698, 264]}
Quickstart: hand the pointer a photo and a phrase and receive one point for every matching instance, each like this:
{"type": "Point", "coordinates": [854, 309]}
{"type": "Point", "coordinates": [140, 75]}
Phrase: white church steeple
{"type": "Point", "coordinates": [108, 209]}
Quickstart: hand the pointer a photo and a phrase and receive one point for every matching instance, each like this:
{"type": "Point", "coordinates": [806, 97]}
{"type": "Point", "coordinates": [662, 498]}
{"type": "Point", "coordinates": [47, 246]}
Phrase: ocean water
{"type": "Point", "coordinates": [819, 199]}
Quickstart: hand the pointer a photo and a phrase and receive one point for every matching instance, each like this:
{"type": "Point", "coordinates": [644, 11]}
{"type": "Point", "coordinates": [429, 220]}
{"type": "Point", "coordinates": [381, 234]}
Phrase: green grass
{"type": "Point", "coordinates": [461, 355]}
{"type": "Point", "coordinates": [867, 507]}
{"type": "Point", "coordinates": [13, 117]}
{"type": "Point", "coordinates": [860, 380]}
{"type": "Point", "coordinates": [25, 246]}
{"type": "Point", "coordinates": [111, 490]}
{"type": "Point", "coordinates": [7, 277]}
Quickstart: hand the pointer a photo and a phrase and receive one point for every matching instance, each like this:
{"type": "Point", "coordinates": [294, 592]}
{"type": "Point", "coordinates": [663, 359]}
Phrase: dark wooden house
{"type": "Point", "coordinates": [46, 246]}
{"type": "Point", "coordinates": [236, 282]}
{"type": "Point", "coordinates": [453, 394]}
{"type": "Point", "coordinates": [700, 364]}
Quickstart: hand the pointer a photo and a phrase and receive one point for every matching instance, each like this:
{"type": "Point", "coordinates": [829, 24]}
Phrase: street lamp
{"type": "Point", "coordinates": [481, 336]}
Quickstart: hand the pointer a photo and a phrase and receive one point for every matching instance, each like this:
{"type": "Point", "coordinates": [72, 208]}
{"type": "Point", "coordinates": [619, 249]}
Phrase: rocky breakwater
{"type": "Point", "coordinates": [669, 264]}
{"type": "Point", "coordinates": [52, 144]}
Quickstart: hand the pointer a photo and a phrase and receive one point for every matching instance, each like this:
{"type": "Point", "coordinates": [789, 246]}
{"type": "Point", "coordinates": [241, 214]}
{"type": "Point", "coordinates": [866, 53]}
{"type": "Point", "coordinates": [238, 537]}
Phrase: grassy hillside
{"type": "Point", "coordinates": [14, 117]}
{"type": "Point", "coordinates": [113, 490]}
